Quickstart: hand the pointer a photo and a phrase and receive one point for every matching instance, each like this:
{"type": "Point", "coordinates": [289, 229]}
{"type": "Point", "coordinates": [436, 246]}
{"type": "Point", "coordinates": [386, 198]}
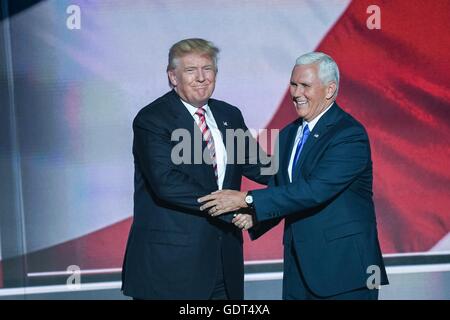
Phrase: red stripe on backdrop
{"type": "Point", "coordinates": [395, 81]}
{"type": "Point", "coordinates": [104, 248]}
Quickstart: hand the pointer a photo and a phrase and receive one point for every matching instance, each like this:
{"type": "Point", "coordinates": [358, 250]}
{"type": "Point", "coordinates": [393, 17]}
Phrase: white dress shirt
{"type": "Point", "coordinates": [221, 153]}
{"type": "Point", "coordinates": [299, 135]}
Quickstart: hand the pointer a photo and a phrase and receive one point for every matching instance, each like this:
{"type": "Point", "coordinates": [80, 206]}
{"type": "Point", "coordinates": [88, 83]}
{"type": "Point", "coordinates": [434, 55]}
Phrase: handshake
{"type": "Point", "coordinates": [223, 201]}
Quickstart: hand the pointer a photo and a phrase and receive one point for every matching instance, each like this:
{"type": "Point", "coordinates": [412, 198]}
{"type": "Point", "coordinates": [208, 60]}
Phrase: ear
{"type": "Point", "coordinates": [172, 77]}
{"type": "Point", "coordinates": [331, 89]}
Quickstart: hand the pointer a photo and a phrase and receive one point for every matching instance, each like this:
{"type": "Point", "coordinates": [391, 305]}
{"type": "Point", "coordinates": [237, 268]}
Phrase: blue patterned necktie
{"type": "Point", "coordinates": [300, 145]}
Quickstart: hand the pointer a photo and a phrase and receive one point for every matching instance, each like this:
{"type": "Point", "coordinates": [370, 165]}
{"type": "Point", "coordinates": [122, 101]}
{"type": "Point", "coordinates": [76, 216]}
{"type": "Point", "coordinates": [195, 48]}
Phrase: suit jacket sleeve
{"type": "Point", "coordinates": [260, 228]}
{"type": "Point", "coordinates": [152, 149]}
{"type": "Point", "coordinates": [344, 159]}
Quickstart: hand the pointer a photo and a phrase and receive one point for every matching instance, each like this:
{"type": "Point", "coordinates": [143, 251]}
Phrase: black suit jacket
{"type": "Point", "coordinates": [328, 208]}
{"type": "Point", "coordinates": [173, 247]}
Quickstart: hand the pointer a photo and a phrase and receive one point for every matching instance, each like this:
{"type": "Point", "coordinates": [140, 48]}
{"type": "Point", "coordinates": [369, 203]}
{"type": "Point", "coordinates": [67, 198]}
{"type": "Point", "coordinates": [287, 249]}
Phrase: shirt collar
{"type": "Point", "coordinates": [192, 110]}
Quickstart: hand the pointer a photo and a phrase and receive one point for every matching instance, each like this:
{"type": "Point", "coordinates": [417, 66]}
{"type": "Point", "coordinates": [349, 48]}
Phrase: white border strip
{"type": "Point", "coordinates": [438, 267]}
{"type": "Point", "coordinates": [251, 262]}
{"type": "Point", "coordinates": [415, 254]}
{"type": "Point", "coordinates": [61, 288]}
{"type": "Point", "coordinates": [118, 270]}
{"type": "Point", "coordinates": [263, 276]}
{"type": "Point", "coordinates": [68, 273]}
{"type": "Point", "coordinates": [444, 267]}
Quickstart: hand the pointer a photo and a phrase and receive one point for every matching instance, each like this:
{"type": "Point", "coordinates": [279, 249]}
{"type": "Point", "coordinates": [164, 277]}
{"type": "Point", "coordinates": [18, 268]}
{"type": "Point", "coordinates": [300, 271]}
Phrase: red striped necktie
{"type": "Point", "coordinates": [207, 136]}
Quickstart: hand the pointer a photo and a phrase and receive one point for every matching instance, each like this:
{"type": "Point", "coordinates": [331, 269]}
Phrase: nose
{"type": "Point", "coordinates": [298, 91]}
{"type": "Point", "coordinates": [200, 76]}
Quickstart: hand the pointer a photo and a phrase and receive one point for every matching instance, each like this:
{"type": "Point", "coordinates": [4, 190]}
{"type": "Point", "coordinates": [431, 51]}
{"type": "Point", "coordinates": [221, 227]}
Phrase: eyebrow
{"type": "Point", "coordinates": [195, 67]}
{"type": "Point", "coordinates": [303, 83]}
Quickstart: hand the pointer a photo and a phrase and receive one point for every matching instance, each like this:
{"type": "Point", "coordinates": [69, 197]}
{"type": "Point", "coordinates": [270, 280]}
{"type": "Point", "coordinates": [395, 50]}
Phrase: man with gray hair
{"type": "Point", "coordinates": [323, 190]}
{"type": "Point", "coordinates": [174, 250]}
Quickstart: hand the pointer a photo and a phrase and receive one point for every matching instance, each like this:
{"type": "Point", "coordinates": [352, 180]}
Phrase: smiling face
{"type": "Point", "coordinates": [194, 78]}
{"type": "Point", "coordinates": [311, 97]}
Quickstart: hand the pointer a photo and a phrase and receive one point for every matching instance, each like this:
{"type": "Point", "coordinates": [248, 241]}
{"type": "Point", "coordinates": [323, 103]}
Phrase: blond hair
{"type": "Point", "coordinates": [193, 45]}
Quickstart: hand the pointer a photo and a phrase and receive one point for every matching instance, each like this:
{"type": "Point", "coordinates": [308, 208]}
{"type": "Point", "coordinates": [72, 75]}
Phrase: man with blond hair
{"type": "Point", "coordinates": [174, 250]}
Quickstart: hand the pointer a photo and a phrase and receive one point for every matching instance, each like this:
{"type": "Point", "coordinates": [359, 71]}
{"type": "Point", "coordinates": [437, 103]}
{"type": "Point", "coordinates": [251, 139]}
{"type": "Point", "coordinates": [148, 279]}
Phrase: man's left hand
{"type": "Point", "coordinates": [243, 221]}
{"type": "Point", "coordinates": [222, 201]}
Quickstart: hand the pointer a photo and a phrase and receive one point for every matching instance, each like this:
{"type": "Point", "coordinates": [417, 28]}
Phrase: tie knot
{"type": "Point", "coordinates": [200, 112]}
{"type": "Point", "coordinates": [306, 131]}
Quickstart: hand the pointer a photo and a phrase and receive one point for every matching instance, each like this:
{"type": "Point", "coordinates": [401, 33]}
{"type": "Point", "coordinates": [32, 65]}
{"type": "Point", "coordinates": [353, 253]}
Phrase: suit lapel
{"type": "Point", "coordinates": [320, 129]}
{"type": "Point", "coordinates": [182, 117]}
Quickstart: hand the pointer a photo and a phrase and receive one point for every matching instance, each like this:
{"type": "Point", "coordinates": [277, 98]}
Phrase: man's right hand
{"type": "Point", "coordinates": [243, 221]}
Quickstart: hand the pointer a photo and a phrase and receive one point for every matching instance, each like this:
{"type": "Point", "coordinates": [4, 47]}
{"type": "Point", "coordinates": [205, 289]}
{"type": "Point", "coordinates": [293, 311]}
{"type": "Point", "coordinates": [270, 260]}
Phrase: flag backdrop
{"type": "Point", "coordinates": [77, 91]}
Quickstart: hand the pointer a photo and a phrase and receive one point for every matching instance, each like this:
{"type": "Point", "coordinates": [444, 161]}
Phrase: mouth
{"type": "Point", "coordinates": [299, 103]}
{"type": "Point", "coordinates": [201, 89]}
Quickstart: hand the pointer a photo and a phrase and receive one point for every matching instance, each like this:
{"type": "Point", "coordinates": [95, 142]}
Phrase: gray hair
{"type": "Point", "coordinates": [328, 69]}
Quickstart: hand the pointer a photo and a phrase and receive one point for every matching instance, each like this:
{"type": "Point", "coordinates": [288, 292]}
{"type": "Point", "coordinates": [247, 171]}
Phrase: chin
{"type": "Point", "coordinates": [301, 111]}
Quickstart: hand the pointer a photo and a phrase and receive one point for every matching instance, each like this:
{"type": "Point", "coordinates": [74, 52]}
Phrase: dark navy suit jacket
{"type": "Point", "coordinates": [328, 208]}
{"type": "Point", "coordinates": [173, 247]}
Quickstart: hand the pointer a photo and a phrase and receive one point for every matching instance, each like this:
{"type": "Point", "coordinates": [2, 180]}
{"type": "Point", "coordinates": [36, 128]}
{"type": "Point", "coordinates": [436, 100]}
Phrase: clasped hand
{"type": "Point", "coordinates": [223, 201]}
